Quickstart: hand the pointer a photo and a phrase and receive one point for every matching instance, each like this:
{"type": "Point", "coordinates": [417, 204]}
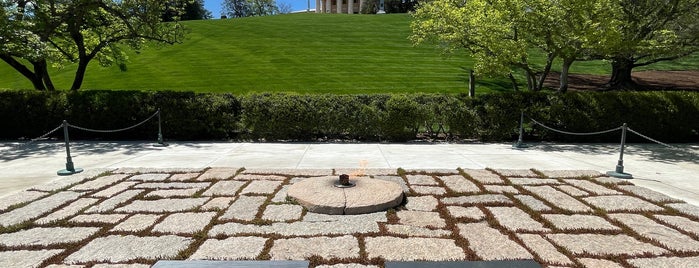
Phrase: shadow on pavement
{"type": "Point", "coordinates": [683, 153]}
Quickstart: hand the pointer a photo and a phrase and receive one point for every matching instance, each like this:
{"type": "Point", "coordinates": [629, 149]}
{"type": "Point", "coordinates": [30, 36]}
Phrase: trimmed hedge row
{"type": "Point", "coordinates": [667, 116]}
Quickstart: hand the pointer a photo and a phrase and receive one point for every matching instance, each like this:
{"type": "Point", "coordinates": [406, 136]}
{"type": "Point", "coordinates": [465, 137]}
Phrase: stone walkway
{"type": "Point", "coordinates": [134, 217]}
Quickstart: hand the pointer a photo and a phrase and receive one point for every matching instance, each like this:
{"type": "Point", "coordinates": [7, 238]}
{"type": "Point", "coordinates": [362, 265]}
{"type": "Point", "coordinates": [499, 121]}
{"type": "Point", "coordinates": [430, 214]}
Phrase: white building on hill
{"type": "Point", "coordinates": [339, 6]}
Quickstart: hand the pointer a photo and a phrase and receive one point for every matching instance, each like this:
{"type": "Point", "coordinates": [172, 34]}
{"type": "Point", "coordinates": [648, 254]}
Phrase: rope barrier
{"type": "Point", "coordinates": [114, 130]}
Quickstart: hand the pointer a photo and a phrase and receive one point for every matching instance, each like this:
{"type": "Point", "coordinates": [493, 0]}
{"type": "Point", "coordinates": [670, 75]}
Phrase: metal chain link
{"type": "Point", "coordinates": [37, 138]}
{"type": "Point", "coordinates": [661, 143]}
{"type": "Point", "coordinates": [114, 130]}
{"type": "Point", "coordinates": [574, 133]}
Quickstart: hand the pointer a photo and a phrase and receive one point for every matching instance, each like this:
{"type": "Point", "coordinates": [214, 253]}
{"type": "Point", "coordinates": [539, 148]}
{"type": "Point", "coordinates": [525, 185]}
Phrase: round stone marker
{"type": "Point", "coordinates": [319, 195]}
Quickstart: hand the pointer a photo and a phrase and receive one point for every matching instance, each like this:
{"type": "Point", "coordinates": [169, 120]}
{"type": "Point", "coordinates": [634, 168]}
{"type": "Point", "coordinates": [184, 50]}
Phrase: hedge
{"type": "Point", "coordinates": [667, 116]}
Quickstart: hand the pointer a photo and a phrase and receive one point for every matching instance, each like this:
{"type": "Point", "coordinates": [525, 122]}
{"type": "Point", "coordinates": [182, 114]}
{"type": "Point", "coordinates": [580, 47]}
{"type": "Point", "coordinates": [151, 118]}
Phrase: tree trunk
{"type": "Point", "coordinates": [42, 73]}
{"type": "Point", "coordinates": [36, 81]}
{"type": "Point", "coordinates": [514, 82]}
{"type": "Point", "coordinates": [547, 69]}
{"type": "Point", "coordinates": [563, 87]}
{"type": "Point", "coordinates": [79, 75]}
{"type": "Point", "coordinates": [471, 84]}
{"type": "Point", "coordinates": [621, 75]}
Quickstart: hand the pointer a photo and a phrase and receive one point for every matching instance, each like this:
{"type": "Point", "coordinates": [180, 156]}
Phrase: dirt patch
{"type": "Point", "coordinates": [647, 80]}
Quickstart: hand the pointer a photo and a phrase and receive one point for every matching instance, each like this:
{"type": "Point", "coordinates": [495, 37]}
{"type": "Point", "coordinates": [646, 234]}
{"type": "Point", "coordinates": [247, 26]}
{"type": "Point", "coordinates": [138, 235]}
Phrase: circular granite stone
{"type": "Point", "coordinates": [319, 195]}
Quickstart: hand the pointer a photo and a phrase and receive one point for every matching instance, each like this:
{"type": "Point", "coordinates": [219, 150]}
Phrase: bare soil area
{"type": "Point", "coordinates": [647, 80]}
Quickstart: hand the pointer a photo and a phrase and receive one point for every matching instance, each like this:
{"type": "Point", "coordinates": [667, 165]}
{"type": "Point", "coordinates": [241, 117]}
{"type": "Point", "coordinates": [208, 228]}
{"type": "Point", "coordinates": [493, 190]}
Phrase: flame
{"type": "Point", "coordinates": [361, 171]}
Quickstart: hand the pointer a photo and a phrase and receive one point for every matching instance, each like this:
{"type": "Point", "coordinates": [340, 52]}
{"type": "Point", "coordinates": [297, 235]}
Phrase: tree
{"type": "Point", "coordinates": [36, 33]}
{"type": "Point", "coordinates": [248, 8]}
{"type": "Point", "coordinates": [284, 8]}
{"type": "Point", "coordinates": [191, 10]}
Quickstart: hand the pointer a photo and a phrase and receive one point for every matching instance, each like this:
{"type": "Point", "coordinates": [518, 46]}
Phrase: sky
{"type": "Point", "coordinates": [215, 5]}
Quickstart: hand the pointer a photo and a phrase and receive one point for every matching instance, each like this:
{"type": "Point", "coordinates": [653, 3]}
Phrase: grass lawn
{"type": "Point", "coordinates": [305, 53]}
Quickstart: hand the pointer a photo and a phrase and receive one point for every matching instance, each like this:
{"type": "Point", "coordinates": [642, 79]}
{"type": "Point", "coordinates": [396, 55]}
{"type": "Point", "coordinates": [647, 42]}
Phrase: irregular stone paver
{"type": "Point", "coordinates": [172, 185]}
{"type": "Point", "coordinates": [184, 223]}
{"type": "Point", "coordinates": [621, 203]}
{"type": "Point", "coordinates": [610, 180]}
{"type": "Point", "coordinates": [572, 190]}
{"type": "Point", "coordinates": [218, 203]}
{"type": "Point", "coordinates": [647, 193]}
{"type": "Point", "coordinates": [68, 211]}
{"type": "Point", "coordinates": [37, 208]}
{"type": "Point", "coordinates": [225, 188]}
{"type": "Point", "coordinates": [218, 174]}
{"type": "Point", "coordinates": [98, 218]}
{"type": "Point", "coordinates": [26, 258]}
{"type": "Point", "coordinates": [500, 189]}
{"type": "Point", "coordinates": [441, 171]}
{"type": "Point", "coordinates": [149, 177]}
{"type": "Point", "coordinates": [366, 172]}
{"type": "Point", "coordinates": [370, 217]}
{"type": "Point", "coordinates": [592, 187]}
{"type": "Point", "coordinates": [325, 247]}
{"type": "Point", "coordinates": [681, 223]}
{"type": "Point", "coordinates": [244, 208]}
{"type": "Point", "coordinates": [516, 220]}
{"type": "Point", "coordinates": [409, 249]}
{"type": "Point", "coordinates": [137, 223]}
{"type": "Point", "coordinates": [70, 266]}
{"type": "Point", "coordinates": [516, 172]}
{"type": "Point", "coordinates": [666, 236]}
{"type": "Point", "coordinates": [253, 177]}
{"type": "Point", "coordinates": [421, 180]}
{"type": "Point", "coordinates": [234, 248]}
{"type": "Point", "coordinates": [598, 263]}
{"type": "Point", "coordinates": [113, 202]}
{"type": "Point", "coordinates": [289, 171]}
{"type": "Point", "coordinates": [422, 203]}
{"type": "Point", "coordinates": [115, 189]}
{"type": "Point", "coordinates": [459, 184]}
{"type": "Point", "coordinates": [284, 212]}
{"type": "Point", "coordinates": [665, 262]}
{"type": "Point", "coordinates": [489, 244]}
{"type": "Point", "coordinates": [47, 236]}
{"type": "Point", "coordinates": [599, 244]}
{"type": "Point", "coordinates": [281, 195]}
{"type": "Point", "coordinates": [66, 181]}
{"type": "Point", "coordinates": [297, 228]}
{"type": "Point", "coordinates": [570, 173]}
{"type": "Point", "coordinates": [19, 198]}
{"type": "Point", "coordinates": [115, 248]}
{"type": "Point", "coordinates": [477, 199]}
{"type": "Point", "coordinates": [410, 230]}
{"type": "Point", "coordinates": [558, 198]}
{"type": "Point", "coordinates": [579, 222]}
{"type": "Point", "coordinates": [163, 205]}
{"type": "Point", "coordinates": [183, 177]}
{"type": "Point", "coordinates": [429, 190]}
{"type": "Point", "coordinates": [532, 202]}
{"type": "Point", "coordinates": [261, 187]}
{"type": "Point", "coordinates": [347, 265]}
{"type": "Point", "coordinates": [99, 182]}
{"type": "Point", "coordinates": [685, 208]}
{"type": "Point", "coordinates": [547, 252]}
{"type": "Point", "coordinates": [533, 181]}
{"type": "Point", "coordinates": [158, 170]}
{"type": "Point", "coordinates": [483, 176]}
{"type": "Point", "coordinates": [399, 180]}
{"type": "Point", "coordinates": [421, 218]}
{"type": "Point", "coordinates": [173, 193]}
{"type": "Point", "coordinates": [473, 213]}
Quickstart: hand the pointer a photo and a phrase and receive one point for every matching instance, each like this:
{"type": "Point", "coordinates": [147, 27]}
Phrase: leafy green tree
{"type": "Point", "coordinates": [36, 33]}
{"type": "Point", "coordinates": [248, 8]}
{"type": "Point", "coordinates": [190, 10]}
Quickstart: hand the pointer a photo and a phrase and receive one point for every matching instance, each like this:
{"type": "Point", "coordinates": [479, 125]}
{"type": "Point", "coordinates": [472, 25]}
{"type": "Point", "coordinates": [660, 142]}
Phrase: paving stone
{"type": "Point", "coordinates": [224, 188]}
{"type": "Point", "coordinates": [149, 177]}
{"type": "Point", "coordinates": [68, 211]}
{"type": "Point", "coordinates": [183, 177]}
{"type": "Point", "coordinates": [414, 248]}
{"type": "Point", "coordinates": [261, 187]}
{"type": "Point", "coordinates": [459, 184]}
{"type": "Point", "coordinates": [610, 180]}
{"type": "Point", "coordinates": [598, 263]}
{"type": "Point", "coordinates": [26, 258]}
{"type": "Point", "coordinates": [429, 190]}
{"type": "Point", "coordinates": [367, 172]}
{"type": "Point", "coordinates": [648, 193]}
{"type": "Point", "coordinates": [115, 189]}
{"type": "Point", "coordinates": [255, 177]}
{"type": "Point", "coordinates": [681, 223]}
{"type": "Point", "coordinates": [599, 244]}
{"type": "Point", "coordinates": [67, 266]}
{"type": "Point", "coordinates": [477, 199]}
{"type": "Point", "coordinates": [592, 187]}
{"type": "Point", "coordinates": [501, 189]}
{"type": "Point", "coordinates": [120, 265]}
{"type": "Point", "coordinates": [685, 208]}
{"type": "Point", "coordinates": [218, 174]}
{"type": "Point", "coordinates": [137, 223]}
{"type": "Point", "coordinates": [184, 223]}
{"type": "Point", "coordinates": [99, 182]}
{"type": "Point", "coordinates": [113, 202]}
{"type": "Point", "coordinates": [621, 203]}
{"type": "Point", "coordinates": [665, 262]}
{"type": "Point", "coordinates": [421, 180]}
{"type": "Point", "coordinates": [116, 248]}
{"type": "Point", "coordinates": [158, 170]}
{"type": "Point", "coordinates": [347, 265]}
{"type": "Point", "coordinates": [280, 196]}
{"type": "Point", "coordinates": [422, 203]}
{"type": "Point", "coordinates": [234, 248]}
{"type": "Point", "coordinates": [395, 179]}
{"type": "Point", "coordinates": [558, 198]}
{"type": "Point", "coordinates": [172, 185]}
{"type": "Point", "coordinates": [173, 193]}
{"type": "Point", "coordinates": [421, 218]}
{"type": "Point", "coordinates": [292, 172]}
{"type": "Point", "coordinates": [440, 171]}
{"type": "Point", "coordinates": [98, 218]}
{"type": "Point", "coordinates": [370, 217]}
{"type": "Point", "coordinates": [19, 198]}
{"type": "Point", "coordinates": [244, 208]}
{"type": "Point", "coordinates": [579, 222]}
{"type": "Point", "coordinates": [298, 228]}
{"type": "Point", "coordinates": [533, 181]}
{"type": "Point", "coordinates": [516, 173]}
{"type": "Point", "coordinates": [570, 190]}
{"type": "Point", "coordinates": [546, 252]}
{"type": "Point", "coordinates": [163, 205]}
{"type": "Point", "coordinates": [570, 173]}
{"type": "Point", "coordinates": [47, 236]}
{"type": "Point", "coordinates": [65, 181]}
{"type": "Point", "coordinates": [283, 212]}
{"type": "Point", "coordinates": [489, 244]}
{"type": "Point", "coordinates": [516, 220]}
{"type": "Point", "coordinates": [218, 203]}
{"type": "Point", "coordinates": [409, 230]}
{"type": "Point", "coordinates": [483, 176]}
{"type": "Point", "coordinates": [326, 247]}
{"type": "Point", "coordinates": [532, 202]}
{"type": "Point", "coordinates": [472, 213]}
{"type": "Point", "coordinates": [37, 208]}
{"type": "Point", "coordinates": [666, 236]}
